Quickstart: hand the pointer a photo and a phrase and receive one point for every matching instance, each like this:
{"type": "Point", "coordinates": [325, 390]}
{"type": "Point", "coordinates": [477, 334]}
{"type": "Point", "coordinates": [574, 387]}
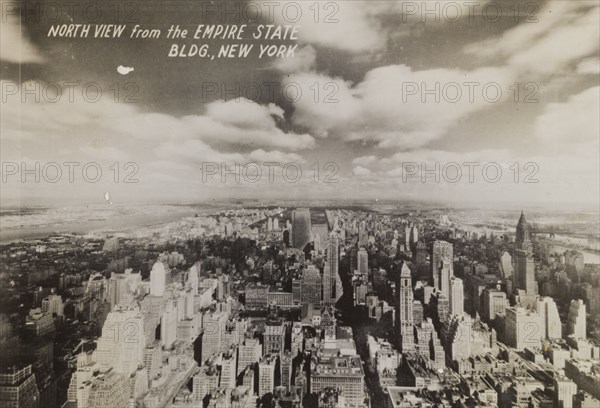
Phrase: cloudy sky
{"type": "Point", "coordinates": [371, 88]}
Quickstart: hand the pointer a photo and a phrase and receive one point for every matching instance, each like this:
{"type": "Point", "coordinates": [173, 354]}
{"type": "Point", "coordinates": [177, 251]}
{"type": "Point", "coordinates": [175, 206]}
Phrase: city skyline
{"type": "Point", "coordinates": [221, 308]}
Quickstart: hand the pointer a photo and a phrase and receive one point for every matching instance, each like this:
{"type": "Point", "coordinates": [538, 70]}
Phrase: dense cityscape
{"type": "Point", "coordinates": [328, 307]}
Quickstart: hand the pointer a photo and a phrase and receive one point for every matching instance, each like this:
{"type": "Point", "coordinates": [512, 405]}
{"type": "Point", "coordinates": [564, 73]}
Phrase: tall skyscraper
{"type": "Point", "coordinates": [459, 339]}
{"type": "Point", "coordinates": [311, 285]}
{"type": "Point", "coordinates": [523, 234]}
{"type": "Point", "coordinates": [117, 290]}
{"type": "Point", "coordinates": [168, 324]}
{"type": "Point", "coordinates": [363, 236]}
{"type": "Point", "coordinates": [442, 255]}
{"type": "Point", "coordinates": [406, 309]}
{"type": "Point", "coordinates": [551, 326]}
{"type": "Point", "coordinates": [524, 272]}
{"type": "Point", "coordinates": [363, 261]}
{"type": "Point", "coordinates": [457, 296]}
{"type": "Point", "coordinates": [506, 265]}
{"type": "Point", "coordinates": [522, 328]}
{"type": "Point", "coordinates": [331, 290]}
{"type": "Point", "coordinates": [158, 279]}
{"type": "Point", "coordinates": [214, 332]}
{"type": "Point", "coordinates": [414, 235]}
{"type": "Point", "coordinates": [576, 325]}
{"type": "Point", "coordinates": [194, 278]}
{"type": "Point", "coordinates": [121, 346]}
{"type": "Point", "coordinates": [445, 273]}
{"type": "Point", "coordinates": [300, 228]}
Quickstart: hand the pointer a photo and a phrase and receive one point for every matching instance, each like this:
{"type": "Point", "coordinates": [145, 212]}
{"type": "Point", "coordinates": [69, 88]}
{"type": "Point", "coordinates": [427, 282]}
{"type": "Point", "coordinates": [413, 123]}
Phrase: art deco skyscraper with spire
{"type": "Point", "coordinates": [524, 269]}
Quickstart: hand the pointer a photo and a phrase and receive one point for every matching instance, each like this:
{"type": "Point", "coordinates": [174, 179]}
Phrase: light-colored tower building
{"type": "Point", "coordinates": [576, 324]}
{"type": "Point", "coordinates": [406, 309]}
{"type": "Point", "coordinates": [523, 328]}
{"type": "Point", "coordinates": [53, 304]}
{"type": "Point", "coordinates": [168, 324]}
{"type": "Point", "coordinates": [460, 337]}
{"type": "Point", "coordinates": [551, 325]}
{"type": "Point", "coordinates": [189, 311]}
{"type": "Point", "coordinates": [506, 265]}
{"type": "Point", "coordinates": [194, 278]}
{"type": "Point", "coordinates": [78, 392]}
{"type": "Point", "coordinates": [121, 346]}
{"type": "Point", "coordinates": [457, 296]}
{"type": "Point", "coordinates": [158, 279]}
{"type": "Point", "coordinates": [444, 275]}
{"type": "Point", "coordinates": [214, 331]}
{"type": "Point", "coordinates": [121, 287]}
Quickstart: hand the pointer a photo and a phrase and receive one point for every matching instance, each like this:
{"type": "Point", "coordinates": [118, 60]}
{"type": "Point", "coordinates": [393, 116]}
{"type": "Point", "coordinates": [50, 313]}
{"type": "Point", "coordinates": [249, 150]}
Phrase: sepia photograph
{"type": "Point", "coordinates": [299, 204]}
